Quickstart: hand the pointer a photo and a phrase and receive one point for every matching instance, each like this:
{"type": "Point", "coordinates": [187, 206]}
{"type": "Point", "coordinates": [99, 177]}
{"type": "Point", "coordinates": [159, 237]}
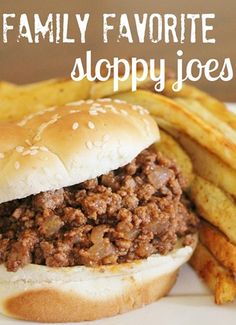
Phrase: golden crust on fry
{"type": "Point", "coordinates": [201, 111]}
{"type": "Point", "coordinates": [219, 245]}
{"type": "Point", "coordinates": [213, 169]}
{"type": "Point", "coordinates": [181, 119]}
{"type": "Point", "coordinates": [105, 88]}
{"type": "Point", "coordinates": [215, 206]}
{"type": "Point", "coordinates": [217, 278]}
{"type": "Point", "coordinates": [210, 103]}
{"type": "Point", "coordinates": [23, 100]}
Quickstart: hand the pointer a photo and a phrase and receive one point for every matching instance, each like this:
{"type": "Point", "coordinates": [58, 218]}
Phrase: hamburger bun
{"type": "Point", "coordinates": [64, 146]}
{"type": "Point", "coordinates": [67, 145]}
{"type": "Point", "coordinates": [73, 294]}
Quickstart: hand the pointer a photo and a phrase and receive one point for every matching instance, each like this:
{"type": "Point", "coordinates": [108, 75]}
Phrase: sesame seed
{"type": "Point", "coordinates": [44, 125]}
{"type": "Point", "coordinates": [17, 165]}
{"type": "Point", "coordinates": [33, 152]}
{"type": "Point", "coordinates": [50, 109]}
{"type": "Point", "coordinates": [25, 120]}
{"type": "Point", "coordinates": [147, 126]}
{"type": "Point", "coordinates": [106, 137]}
{"type": "Point", "coordinates": [95, 105]}
{"type": "Point", "coordinates": [55, 117]}
{"type": "Point", "coordinates": [72, 111]}
{"type": "Point", "coordinates": [104, 100]}
{"type": "Point", "coordinates": [89, 145]}
{"type": "Point", "coordinates": [34, 148]}
{"type": "Point", "coordinates": [19, 149]}
{"type": "Point", "coordinates": [31, 116]}
{"type": "Point", "coordinates": [101, 110]}
{"type": "Point", "coordinates": [92, 112]}
{"type": "Point", "coordinates": [89, 101]}
{"type": "Point", "coordinates": [21, 123]}
{"type": "Point", "coordinates": [119, 101]}
{"type": "Point", "coordinates": [26, 153]}
{"type": "Point", "coordinates": [91, 125]}
{"type": "Point", "coordinates": [2, 155]}
{"type": "Point", "coordinates": [75, 126]}
{"type": "Point", "coordinates": [125, 113]}
{"type": "Point", "coordinates": [45, 149]}
{"type": "Point", "coordinates": [75, 103]}
{"type": "Point", "coordinates": [112, 108]}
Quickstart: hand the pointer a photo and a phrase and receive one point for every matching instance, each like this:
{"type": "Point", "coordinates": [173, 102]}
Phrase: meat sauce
{"type": "Point", "coordinates": [127, 214]}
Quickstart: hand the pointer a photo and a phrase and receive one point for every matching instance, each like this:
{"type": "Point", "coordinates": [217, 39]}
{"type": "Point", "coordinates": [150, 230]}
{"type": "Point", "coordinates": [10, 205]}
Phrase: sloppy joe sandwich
{"type": "Point", "coordinates": [93, 221]}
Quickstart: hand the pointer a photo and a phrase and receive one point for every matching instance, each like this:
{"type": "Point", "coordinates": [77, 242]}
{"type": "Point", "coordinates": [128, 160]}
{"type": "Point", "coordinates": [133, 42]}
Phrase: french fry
{"type": "Point", "coordinates": [171, 149]}
{"type": "Point", "coordinates": [215, 206]}
{"type": "Point", "coordinates": [216, 107]}
{"type": "Point", "coordinates": [24, 100]}
{"type": "Point", "coordinates": [15, 89]}
{"type": "Point", "coordinates": [6, 87]}
{"type": "Point", "coordinates": [199, 110]}
{"type": "Point", "coordinates": [180, 118]}
{"type": "Point", "coordinates": [217, 278]}
{"type": "Point", "coordinates": [208, 165]}
{"type": "Point", "coordinates": [219, 245]}
{"type": "Point", "coordinates": [105, 88]}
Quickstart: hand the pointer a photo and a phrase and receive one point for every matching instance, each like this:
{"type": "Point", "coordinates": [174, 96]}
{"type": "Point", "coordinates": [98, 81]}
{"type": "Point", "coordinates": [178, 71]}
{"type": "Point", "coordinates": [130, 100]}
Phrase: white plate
{"type": "Point", "coordinates": [189, 303]}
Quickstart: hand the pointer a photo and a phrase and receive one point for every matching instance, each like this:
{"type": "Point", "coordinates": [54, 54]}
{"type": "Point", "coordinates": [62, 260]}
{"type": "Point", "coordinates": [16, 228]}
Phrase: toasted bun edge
{"type": "Point", "coordinates": [81, 293]}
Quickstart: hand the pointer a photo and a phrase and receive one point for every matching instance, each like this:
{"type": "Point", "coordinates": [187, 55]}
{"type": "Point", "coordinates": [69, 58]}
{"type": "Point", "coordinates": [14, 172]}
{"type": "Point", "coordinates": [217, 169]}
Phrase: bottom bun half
{"type": "Point", "coordinates": [44, 294]}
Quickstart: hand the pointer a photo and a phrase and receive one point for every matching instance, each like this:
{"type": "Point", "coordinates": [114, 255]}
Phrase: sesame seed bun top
{"type": "Point", "coordinates": [63, 146]}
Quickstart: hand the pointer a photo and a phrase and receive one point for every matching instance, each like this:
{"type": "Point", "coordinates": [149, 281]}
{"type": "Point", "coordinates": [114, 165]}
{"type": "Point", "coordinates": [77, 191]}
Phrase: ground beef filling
{"type": "Point", "coordinates": [127, 214]}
